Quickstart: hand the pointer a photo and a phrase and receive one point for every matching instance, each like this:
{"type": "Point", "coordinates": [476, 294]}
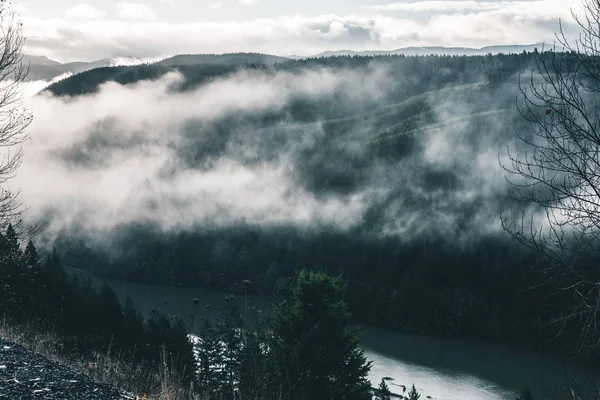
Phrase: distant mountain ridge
{"type": "Point", "coordinates": [439, 50]}
{"type": "Point", "coordinates": [43, 68]}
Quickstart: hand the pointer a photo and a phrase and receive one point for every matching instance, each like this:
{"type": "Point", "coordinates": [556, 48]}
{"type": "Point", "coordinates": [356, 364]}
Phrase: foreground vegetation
{"type": "Point", "coordinates": [303, 350]}
{"type": "Point", "coordinates": [67, 317]}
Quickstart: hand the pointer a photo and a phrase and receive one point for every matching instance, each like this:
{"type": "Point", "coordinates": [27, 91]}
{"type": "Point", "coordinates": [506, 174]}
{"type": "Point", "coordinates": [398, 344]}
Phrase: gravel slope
{"type": "Point", "coordinates": [26, 375]}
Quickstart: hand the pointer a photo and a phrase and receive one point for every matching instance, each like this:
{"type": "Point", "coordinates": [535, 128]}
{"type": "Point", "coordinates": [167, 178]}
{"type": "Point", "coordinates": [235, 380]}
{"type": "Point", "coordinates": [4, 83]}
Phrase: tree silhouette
{"type": "Point", "coordinates": [315, 354]}
{"type": "Point", "coordinates": [383, 392]}
{"type": "Point", "coordinates": [558, 176]}
{"type": "Point", "coordinates": [14, 118]}
{"type": "Point", "coordinates": [413, 394]}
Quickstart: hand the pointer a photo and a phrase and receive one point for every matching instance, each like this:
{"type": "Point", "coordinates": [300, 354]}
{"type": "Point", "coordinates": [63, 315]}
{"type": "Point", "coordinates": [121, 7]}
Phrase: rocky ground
{"type": "Point", "coordinates": [26, 375]}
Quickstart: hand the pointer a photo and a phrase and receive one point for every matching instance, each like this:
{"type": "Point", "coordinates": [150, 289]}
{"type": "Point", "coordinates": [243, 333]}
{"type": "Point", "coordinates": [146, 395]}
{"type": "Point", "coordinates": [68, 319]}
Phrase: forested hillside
{"type": "Point", "coordinates": [381, 169]}
{"type": "Point", "coordinates": [415, 74]}
{"type": "Point", "coordinates": [43, 68]}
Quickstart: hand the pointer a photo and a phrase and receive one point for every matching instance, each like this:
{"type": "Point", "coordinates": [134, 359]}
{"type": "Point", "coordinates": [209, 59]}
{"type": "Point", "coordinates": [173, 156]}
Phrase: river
{"type": "Point", "coordinates": [445, 369]}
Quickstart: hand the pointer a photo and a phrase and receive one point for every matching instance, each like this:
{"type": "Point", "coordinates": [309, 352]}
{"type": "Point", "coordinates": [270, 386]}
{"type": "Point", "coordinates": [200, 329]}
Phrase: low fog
{"type": "Point", "coordinates": [233, 151]}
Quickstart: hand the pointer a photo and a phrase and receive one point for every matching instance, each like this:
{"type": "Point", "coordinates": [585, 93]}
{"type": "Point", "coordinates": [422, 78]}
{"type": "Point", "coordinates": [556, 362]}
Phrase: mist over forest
{"type": "Point", "coordinates": [375, 144]}
{"type": "Point", "coordinates": [385, 170]}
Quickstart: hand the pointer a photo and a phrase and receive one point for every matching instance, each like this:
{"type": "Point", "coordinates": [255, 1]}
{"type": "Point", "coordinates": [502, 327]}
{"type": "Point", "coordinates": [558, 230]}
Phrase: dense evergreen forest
{"type": "Point", "coordinates": [426, 257]}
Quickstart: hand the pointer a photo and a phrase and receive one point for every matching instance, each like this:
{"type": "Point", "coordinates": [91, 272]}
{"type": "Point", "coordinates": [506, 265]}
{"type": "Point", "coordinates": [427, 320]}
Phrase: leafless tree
{"type": "Point", "coordinates": [558, 175]}
{"type": "Point", "coordinates": [14, 117]}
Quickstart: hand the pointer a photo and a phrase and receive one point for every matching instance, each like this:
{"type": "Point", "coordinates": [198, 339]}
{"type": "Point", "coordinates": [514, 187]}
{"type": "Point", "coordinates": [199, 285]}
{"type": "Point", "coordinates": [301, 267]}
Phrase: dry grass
{"type": "Point", "coordinates": [139, 379]}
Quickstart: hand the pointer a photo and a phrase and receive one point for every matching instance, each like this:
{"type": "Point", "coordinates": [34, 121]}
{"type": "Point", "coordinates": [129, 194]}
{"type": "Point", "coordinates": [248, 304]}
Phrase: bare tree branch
{"type": "Point", "coordinates": [558, 174]}
{"type": "Point", "coordinates": [14, 117]}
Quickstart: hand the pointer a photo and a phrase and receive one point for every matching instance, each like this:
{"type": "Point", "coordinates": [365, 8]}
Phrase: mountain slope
{"type": "Point", "coordinates": [40, 60]}
{"type": "Point", "coordinates": [42, 68]}
{"type": "Point", "coordinates": [89, 81]}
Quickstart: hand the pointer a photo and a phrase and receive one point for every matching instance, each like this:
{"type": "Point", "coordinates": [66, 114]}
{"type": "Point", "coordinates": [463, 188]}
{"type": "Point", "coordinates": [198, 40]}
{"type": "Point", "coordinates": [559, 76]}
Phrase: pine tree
{"type": "Point", "coordinates": [180, 350]}
{"type": "Point", "coordinates": [32, 258]}
{"type": "Point", "coordinates": [253, 366]}
{"type": "Point", "coordinates": [57, 276]}
{"type": "Point", "coordinates": [229, 328]}
{"type": "Point", "coordinates": [383, 392]}
{"type": "Point", "coordinates": [413, 394]}
{"type": "Point", "coordinates": [53, 262]}
{"type": "Point", "coordinates": [314, 353]}
{"type": "Point", "coordinates": [13, 248]}
{"type": "Point", "coordinates": [210, 361]}
{"type": "Point", "coordinates": [16, 281]}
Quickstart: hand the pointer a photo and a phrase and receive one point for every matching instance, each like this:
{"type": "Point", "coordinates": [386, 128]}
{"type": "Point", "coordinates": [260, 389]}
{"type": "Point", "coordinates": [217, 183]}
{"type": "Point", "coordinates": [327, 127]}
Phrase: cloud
{"type": "Point", "coordinates": [441, 6]}
{"type": "Point", "coordinates": [215, 5]}
{"type": "Point", "coordinates": [249, 2]}
{"type": "Point", "coordinates": [293, 35]}
{"type": "Point", "coordinates": [22, 7]}
{"type": "Point", "coordinates": [128, 61]}
{"type": "Point", "coordinates": [462, 6]}
{"type": "Point", "coordinates": [144, 153]}
{"type": "Point", "coordinates": [32, 88]}
{"type": "Point", "coordinates": [115, 184]}
{"type": "Point", "coordinates": [135, 12]}
{"type": "Point", "coordinates": [84, 12]}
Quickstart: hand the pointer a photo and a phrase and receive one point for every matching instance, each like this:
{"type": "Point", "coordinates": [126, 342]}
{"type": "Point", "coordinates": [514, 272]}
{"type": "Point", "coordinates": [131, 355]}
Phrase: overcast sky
{"type": "Point", "coordinates": [68, 30]}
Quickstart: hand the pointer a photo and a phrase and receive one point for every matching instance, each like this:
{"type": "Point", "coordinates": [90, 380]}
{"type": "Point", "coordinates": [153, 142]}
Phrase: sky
{"type": "Point", "coordinates": [85, 30]}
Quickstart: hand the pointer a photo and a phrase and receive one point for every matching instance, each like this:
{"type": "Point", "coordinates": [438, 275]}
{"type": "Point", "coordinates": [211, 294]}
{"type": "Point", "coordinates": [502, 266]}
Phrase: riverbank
{"type": "Point", "coordinates": [542, 343]}
{"type": "Point", "coordinates": [442, 368]}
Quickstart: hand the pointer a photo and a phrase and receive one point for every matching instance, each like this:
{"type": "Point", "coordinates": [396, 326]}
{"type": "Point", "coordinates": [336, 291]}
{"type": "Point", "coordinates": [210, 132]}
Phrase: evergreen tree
{"type": "Point", "coordinates": [32, 258]}
{"type": "Point", "coordinates": [253, 366]}
{"type": "Point", "coordinates": [229, 328]}
{"type": "Point", "coordinates": [11, 248]}
{"type": "Point", "coordinates": [55, 270]}
{"type": "Point", "coordinates": [53, 262]}
{"type": "Point", "coordinates": [413, 394]}
{"type": "Point", "coordinates": [315, 355]}
{"type": "Point", "coordinates": [180, 350]}
{"type": "Point", "coordinates": [12, 240]}
{"type": "Point", "coordinates": [383, 392]}
{"type": "Point", "coordinates": [16, 281]}
{"type": "Point", "coordinates": [157, 333]}
{"type": "Point", "coordinates": [210, 361]}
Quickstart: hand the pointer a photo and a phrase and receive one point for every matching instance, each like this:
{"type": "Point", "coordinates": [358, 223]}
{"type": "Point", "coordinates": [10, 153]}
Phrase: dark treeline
{"type": "Point", "coordinates": [38, 293]}
{"type": "Point", "coordinates": [484, 291]}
